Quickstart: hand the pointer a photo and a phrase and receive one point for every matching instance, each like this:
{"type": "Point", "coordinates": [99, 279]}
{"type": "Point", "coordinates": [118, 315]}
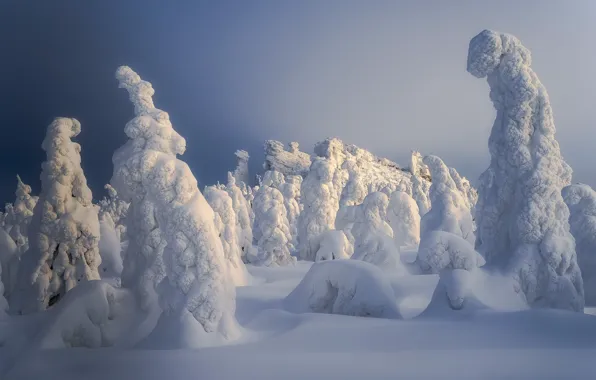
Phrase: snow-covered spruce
{"type": "Point", "coordinates": [441, 250]}
{"type": "Point", "coordinates": [289, 161]}
{"type": "Point", "coordinates": [333, 245]}
{"type": "Point", "coordinates": [449, 211]}
{"type": "Point", "coordinates": [345, 287]}
{"type": "Point", "coordinates": [273, 178]}
{"type": "Point", "coordinates": [170, 225]}
{"type": "Point", "coordinates": [521, 217]}
{"type": "Point", "coordinates": [420, 193]}
{"type": "Point", "coordinates": [462, 184]}
{"type": "Point", "coordinates": [271, 230]}
{"type": "Point", "coordinates": [116, 208]}
{"type": "Point", "coordinates": [64, 231]}
{"type": "Point", "coordinates": [321, 204]}
{"type": "Point", "coordinates": [241, 173]}
{"type": "Point", "coordinates": [9, 260]}
{"type": "Point", "coordinates": [225, 223]}
{"type": "Point", "coordinates": [291, 193]}
{"type": "Point", "coordinates": [18, 215]}
{"type": "Point", "coordinates": [355, 189]}
{"type": "Point", "coordinates": [373, 237]}
{"type": "Point", "coordinates": [581, 200]}
{"type": "Point", "coordinates": [109, 250]}
{"type": "Point", "coordinates": [243, 213]}
{"type": "Point", "coordinates": [404, 218]}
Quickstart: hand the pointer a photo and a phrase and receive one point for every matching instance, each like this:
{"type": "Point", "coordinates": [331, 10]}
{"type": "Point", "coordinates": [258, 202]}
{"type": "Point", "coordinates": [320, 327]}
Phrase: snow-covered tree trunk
{"type": "Point", "coordinates": [64, 232]}
{"type": "Point", "coordinates": [449, 211]}
{"type": "Point", "coordinates": [404, 218]}
{"type": "Point", "coordinates": [581, 200]}
{"type": "Point", "coordinates": [243, 213]}
{"type": "Point", "coordinates": [373, 237]}
{"type": "Point", "coordinates": [271, 229]}
{"type": "Point", "coordinates": [225, 223]}
{"type": "Point", "coordinates": [320, 205]}
{"type": "Point", "coordinates": [521, 217]}
{"type": "Point", "coordinates": [241, 173]}
{"type": "Point", "coordinates": [174, 241]}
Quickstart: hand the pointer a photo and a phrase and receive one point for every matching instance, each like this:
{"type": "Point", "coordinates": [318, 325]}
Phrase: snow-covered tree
{"type": "Point", "coordinates": [449, 211]}
{"type": "Point", "coordinates": [373, 237]}
{"type": "Point", "coordinates": [291, 192]}
{"type": "Point", "coordinates": [273, 178]}
{"type": "Point", "coordinates": [225, 223]}
{"type": "Point", "coordinates": [3, 302]}
{"type": "Point", "coordinates": [9, 260]}
{"type": "Point", "coordinates": [110, 249]}
{"type": "Point", "coordinates": [355, 189]}
{"type": "Point", "coordinates": [404, 218]}
{"type": "Point", "coordinates": [173, 239]}
{"type": "Point", "coordinates": [320, 205]}
{"type": "Point", "coordinates": [243, 216]}
{"type": "Point", "coordinates": [271, 229]}
{"type": "Point", "coordinates": [441, 250]}
{"type": "Point", "coordinates": [581, 200]}
{"type": "Point", "coordinates": [462, 184]}
{"type": "Point", "coordinates": [18, 215]}
{"type": "Point", "coordinates": [420, 190]}
{"type": "Point", "coordinates": [521, 217]}
{"type": "Point", "coordinates": [116, 208]}
{"type": "Point", "coordinates": [64, 231]}
{"type": "Point", "coordinates": [241, 173]}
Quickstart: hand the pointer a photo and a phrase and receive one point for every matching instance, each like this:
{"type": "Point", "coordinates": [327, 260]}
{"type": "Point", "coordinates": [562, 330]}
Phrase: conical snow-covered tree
{"type": "Point", "coordinates": [9, 260]}
{"type": "Point", "coordinates": [225, 223]}
{"type": "Point", "coordinates": [355, 190]}
{"type": "Point", "coordinates": [462, 184]}
{"type": "Point", "coordinates": [291, 193]}
{"type": "Point", "coordinates": [271, 230]}
{"type": "Point", "coordinates": [449, 211]}
{"type": "Point", "coordinates": [19, 214]}
{"type": "Point", "coordinates": [173, 239]}
{"type": "Point", "coordinates": [373, 237]}
{"type": "Point", "coordinates": [521, 217]}
{"type": "Point", "coordinates": [64, 231]}
{"type": "Point", "coordinates": [404, 218]}
{"type": "Point", "coordinates": [241, 173]}
{"type": "Point", "coordinates": [581, 200]}
{"type": "Point", "coordinates": [320, 206]}
{"type": "Point", "coordinates": [243, 216]}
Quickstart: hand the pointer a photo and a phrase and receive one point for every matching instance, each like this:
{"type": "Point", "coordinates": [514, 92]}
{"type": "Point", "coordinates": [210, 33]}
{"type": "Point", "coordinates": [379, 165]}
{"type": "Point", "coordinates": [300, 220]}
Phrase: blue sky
{"type": "Point", "coordinates": [388, 76]}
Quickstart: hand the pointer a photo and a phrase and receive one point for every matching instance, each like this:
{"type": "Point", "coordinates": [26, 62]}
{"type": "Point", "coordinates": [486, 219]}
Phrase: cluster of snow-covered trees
{"type": "Point", "coordinates": [183, 252]}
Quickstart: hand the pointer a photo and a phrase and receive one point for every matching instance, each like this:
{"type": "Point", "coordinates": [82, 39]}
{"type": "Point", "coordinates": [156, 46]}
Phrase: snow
{"type": "Point", "coordinates": [404, 218]}
{"type": "Point", "coordinates": [521, 217]}
{"type": "Point", "coordinates": [109, 250]}
{"type": "Point", "coordinates": [290, 161]}
{"type": "Point", "coordinates": [333, 245]}
{"type": "Point", "coordinates": [344, 287]}
{"type": "Point", "coordinates": [439, 250]}
{"type": "Point", "coordinates": [241, 173]}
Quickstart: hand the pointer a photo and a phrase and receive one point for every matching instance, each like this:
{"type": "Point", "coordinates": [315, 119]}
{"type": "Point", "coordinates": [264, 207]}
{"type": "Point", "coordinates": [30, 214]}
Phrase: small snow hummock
{"type": "Point", "coordinates": [581, 200]}
{"type": "Point", "coordinates": [346, 287]}
{"type": "Point", "coordinates": [521, 217]}
{"type": "Point", "coordinates": [64, 232]}
{"type": "Point", "coordinates": [174, 242]}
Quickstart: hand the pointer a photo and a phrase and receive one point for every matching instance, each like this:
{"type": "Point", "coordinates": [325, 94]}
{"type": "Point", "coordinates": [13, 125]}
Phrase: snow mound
{"type": "Point", "coordinates": [93, 314]}
{"type": "Point", "coordinates": [333, 245]}
{"type": "Point", "coordinates": [346, 287]}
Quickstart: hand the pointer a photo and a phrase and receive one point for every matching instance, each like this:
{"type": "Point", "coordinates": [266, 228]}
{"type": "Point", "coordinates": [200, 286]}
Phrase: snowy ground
{"type": "Point", "coordinates": [533, 344]}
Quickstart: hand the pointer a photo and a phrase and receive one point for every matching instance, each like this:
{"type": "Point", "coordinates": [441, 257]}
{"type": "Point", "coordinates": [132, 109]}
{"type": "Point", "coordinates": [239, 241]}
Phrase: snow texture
{"type": "Point", "coordinates": [449, 211]}
{"type": "Point", "coordinates": [581, 200]}
{"type": "Point", "coordinates": [521, 216]}
{"type": "Point", "coordinates": [225, 223]}
{"type": "Point", "coordinates": [441, 250]}
{"type": "Point", "coordinates": [373, 237]}
{"type": "Point", "coordinates": [291, 193]}
{"type": "Point", "coordinates": [109, 249]}
{"type": "Point", "coordinates": [333, 245]}
{"type": "Point", "coordinates": [241, 173]}
{"type": "Point", "coordinates": [174, 242]}
{"type": "Point", "coordinates": [404, 218]}
{"type": "Point", "coordinates": [271, 229]}
{"type": "Point", "coordinates": [321, 204]}
{"type": "Point", "coordinates": [289, 161]}
{"type": "Point", "coordinates": [116, 208]}
{"type": "Point", "coordinates": [64, 232]}
{"type": "Point", "coordinates": [344, 287]}
{"type": "Point", "coordinates": [9, 260]}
